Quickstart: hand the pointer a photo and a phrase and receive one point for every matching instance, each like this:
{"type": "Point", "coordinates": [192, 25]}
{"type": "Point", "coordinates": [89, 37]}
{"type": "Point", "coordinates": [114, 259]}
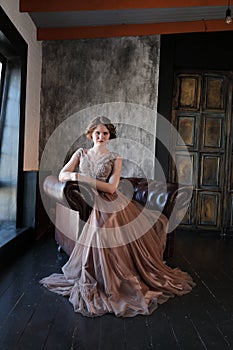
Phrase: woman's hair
{"type": "Point", "coordinates": [100, 120]}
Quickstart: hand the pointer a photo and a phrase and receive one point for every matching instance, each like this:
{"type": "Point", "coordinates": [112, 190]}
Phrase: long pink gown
{"type": "Point", "coordinates": [117, 264]}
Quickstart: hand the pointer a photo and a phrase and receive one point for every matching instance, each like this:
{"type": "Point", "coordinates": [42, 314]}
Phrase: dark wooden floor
{"type": "Point", "coordinates": [33, 318]}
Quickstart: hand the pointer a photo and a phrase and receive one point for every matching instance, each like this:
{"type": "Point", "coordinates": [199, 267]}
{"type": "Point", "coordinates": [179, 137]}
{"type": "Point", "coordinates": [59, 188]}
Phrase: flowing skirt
{"type": "Point", "coordinates": [117, 264]}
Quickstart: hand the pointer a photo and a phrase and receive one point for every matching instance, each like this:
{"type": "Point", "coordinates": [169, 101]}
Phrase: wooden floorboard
{"type": "Point", "coordinates": [31, 317]}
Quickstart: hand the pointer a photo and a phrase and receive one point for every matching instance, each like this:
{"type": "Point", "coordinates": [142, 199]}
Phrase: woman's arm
{"type": "Point", "coordinates": [67, 172]}
{"type": "Point", "coordinates": [111, 185]}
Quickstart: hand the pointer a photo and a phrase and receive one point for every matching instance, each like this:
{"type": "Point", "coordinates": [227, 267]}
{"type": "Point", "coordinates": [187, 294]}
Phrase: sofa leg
{"type": "Point", "coordinates": [170, 246]}
{"type": "Point", "coordinates": [60, 249]}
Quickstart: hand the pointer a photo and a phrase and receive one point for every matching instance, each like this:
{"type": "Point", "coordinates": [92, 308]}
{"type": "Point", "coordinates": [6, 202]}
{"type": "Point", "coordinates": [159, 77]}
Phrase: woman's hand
{"type": "Point", "coordinates": [79, 177]}
{"type": "Point", "coordinates": [74, 176]}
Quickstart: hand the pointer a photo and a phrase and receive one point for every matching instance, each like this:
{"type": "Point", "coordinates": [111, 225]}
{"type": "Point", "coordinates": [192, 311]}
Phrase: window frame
{"type": "Point", "coordinates": [19, 52]}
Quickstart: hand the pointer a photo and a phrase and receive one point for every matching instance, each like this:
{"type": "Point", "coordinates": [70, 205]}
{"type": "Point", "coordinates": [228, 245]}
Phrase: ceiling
{"type": "Point", "coordinates": [75, 19]}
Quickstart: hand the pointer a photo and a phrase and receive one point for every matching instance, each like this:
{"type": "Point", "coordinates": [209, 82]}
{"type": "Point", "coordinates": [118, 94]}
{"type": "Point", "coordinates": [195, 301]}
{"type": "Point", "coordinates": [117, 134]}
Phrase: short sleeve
{"type": "Point", "coordinates": [116, 155]}
{"type": "Point", "coordinates": [79, 153]}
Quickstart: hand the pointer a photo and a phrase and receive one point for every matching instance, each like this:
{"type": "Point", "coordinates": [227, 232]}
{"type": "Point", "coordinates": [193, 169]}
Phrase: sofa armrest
{"type": "Point", "coordinates": [171, 199]}
{"type": "Point", "coordinates": [54, 189]}
{"type": "Point", "coordinates": [72, 194]}
{"type": "Point", "coordinates": [80, 197]}
{"type": "Point", "coordinates": [167, 196]}
{"type": "Point", "coordinates": [179, 197]}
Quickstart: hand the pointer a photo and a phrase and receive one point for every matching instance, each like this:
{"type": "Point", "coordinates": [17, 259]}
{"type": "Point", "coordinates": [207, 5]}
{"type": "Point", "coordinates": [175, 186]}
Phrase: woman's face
{"type": "Point", "coordinates": [100, 135]}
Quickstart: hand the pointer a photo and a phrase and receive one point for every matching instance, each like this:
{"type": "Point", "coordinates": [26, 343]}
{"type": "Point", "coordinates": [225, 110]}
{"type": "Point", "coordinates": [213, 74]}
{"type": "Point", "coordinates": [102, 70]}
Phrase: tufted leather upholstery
{"type": "Point", "coordinates": [150, 193]}
{"type": "Point", "coordinates": [157, 195]}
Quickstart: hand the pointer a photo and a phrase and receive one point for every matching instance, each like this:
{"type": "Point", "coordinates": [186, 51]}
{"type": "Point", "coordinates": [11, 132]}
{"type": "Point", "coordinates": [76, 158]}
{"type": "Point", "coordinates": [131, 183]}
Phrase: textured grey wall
{"type": "Point", "coordinates": [116, 77]}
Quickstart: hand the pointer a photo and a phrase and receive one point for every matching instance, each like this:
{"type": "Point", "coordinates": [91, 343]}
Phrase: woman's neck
{"type": "Point", "coordinates": [98, 149]}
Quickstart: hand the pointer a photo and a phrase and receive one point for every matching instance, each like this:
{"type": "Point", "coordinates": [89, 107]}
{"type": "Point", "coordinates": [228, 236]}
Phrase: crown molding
{"type": "Point", "coordinates": [132, 30]}
{"type": "Point", "coordinates": [94, 5]}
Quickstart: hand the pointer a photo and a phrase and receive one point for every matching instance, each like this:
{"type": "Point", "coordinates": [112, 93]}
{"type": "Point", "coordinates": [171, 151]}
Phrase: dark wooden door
{"type": "Point", "coordinates": [202, 115]}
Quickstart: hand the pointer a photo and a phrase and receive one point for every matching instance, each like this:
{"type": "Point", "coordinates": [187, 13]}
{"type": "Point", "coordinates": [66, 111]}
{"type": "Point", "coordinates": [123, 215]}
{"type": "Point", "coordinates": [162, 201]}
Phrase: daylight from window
{"type": "Point", "coordinates": [0, 72]}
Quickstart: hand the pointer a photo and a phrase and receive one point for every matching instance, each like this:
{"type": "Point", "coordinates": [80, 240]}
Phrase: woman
{"type": "Point", "coordinates": [117, 265]}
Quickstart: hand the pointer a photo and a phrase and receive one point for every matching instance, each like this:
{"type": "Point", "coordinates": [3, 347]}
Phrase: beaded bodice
{"type": "Point", "coordinates": [100, 169]}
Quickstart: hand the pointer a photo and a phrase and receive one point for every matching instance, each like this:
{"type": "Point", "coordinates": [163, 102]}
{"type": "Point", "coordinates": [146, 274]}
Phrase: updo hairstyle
{"type": "Point", "coordinates": [100, 120]}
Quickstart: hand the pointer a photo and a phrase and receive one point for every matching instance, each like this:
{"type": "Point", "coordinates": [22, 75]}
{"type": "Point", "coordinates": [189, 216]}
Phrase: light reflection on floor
{"type": "Point", "coordinates": [8, 231]}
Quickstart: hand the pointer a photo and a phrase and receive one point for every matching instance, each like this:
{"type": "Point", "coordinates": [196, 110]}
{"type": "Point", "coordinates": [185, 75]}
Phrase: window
{"type": "Point", "coordinates": [2, 80]}
{"type": "Point", "coordinates": [13, 63]}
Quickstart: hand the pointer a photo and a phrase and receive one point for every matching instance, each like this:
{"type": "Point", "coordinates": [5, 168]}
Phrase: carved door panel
{"type": "Point", "coordinates": [201, 114]}
{"type": "Point", "coordinates": [229, 190]}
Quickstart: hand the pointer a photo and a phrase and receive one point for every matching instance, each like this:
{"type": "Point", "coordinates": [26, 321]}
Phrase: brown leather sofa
{"type": "Point", "coordinates": [74, 202]}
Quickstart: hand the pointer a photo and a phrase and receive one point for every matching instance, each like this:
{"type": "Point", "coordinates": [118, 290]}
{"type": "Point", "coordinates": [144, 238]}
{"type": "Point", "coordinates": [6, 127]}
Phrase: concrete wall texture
{"type": "Point", "coordinates": [116, 77]}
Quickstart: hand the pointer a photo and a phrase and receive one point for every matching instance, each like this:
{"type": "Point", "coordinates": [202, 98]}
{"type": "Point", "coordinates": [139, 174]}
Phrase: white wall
{"type": "Point", "coordinates": [27, 29]}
